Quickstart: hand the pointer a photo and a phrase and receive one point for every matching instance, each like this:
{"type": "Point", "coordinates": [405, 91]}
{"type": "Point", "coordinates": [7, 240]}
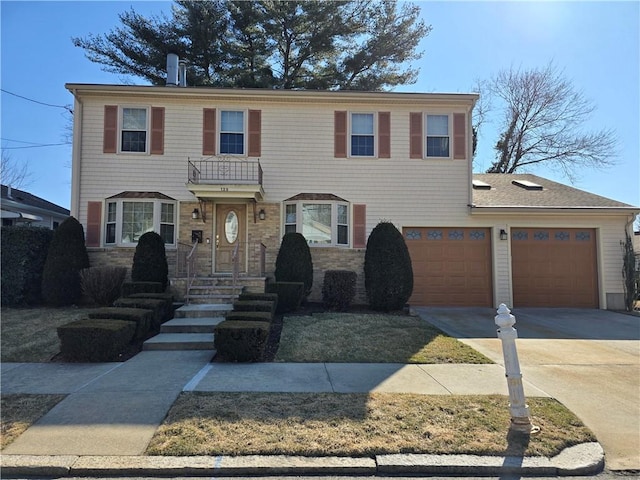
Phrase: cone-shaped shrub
{"type": "Point", "coordinates": [388, 275]}
{"type": "Point", "coordinates": [67, 255]}
{"type": "Point", "coordinates": [293, 263]}
{"type": "Point", "coordinates": [150, 260]}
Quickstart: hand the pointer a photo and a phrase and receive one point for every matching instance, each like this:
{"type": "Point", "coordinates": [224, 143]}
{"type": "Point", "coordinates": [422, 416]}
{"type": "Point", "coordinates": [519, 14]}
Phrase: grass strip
{"type": "Point", "coordinates": [359, 425]}
{"type": "Point", "coordinates": [369, 338]}
{"type": "Point", "coordinates": [19, 412]}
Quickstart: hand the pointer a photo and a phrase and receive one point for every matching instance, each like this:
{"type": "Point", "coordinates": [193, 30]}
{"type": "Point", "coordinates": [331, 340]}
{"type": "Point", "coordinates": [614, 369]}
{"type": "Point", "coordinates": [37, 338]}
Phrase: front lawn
{"type": "Point", "coordinates": [369, 338]}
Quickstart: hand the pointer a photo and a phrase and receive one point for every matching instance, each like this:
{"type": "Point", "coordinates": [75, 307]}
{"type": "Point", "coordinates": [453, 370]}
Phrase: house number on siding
{"type": "Point", "coordinates": [224, 189]}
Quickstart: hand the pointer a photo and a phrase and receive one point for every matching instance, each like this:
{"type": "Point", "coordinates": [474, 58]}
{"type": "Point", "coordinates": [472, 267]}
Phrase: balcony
{"type": "Point", "coordinates": [221, 177]}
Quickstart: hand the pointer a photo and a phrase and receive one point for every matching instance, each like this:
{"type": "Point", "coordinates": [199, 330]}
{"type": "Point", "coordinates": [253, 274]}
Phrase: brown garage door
{"type": "Point", "coordinates": [451, 266]}
{"type": "Point", "coordinates": [554, 267]}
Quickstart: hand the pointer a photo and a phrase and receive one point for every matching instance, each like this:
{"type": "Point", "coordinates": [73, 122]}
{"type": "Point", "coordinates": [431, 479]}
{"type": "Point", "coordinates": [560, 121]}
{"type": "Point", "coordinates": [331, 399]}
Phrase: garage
{"type": "Point", "coordinates": [554, 267]}
{"type": "Point", "coordinates": [451, 266]}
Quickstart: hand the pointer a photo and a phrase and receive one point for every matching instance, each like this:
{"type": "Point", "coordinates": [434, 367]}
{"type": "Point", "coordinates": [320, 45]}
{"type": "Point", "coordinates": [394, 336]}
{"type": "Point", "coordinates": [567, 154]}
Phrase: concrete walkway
{"type": "Point", "coordinates": [112, 410]}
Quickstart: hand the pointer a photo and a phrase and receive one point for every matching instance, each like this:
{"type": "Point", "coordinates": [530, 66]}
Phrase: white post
{"type": "Point", "coordinates": [518, 407]}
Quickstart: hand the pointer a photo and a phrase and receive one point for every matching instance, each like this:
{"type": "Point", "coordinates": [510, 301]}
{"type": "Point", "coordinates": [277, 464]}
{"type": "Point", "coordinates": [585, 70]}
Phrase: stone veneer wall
{"type": "Point", "coordinates": [338, 259]}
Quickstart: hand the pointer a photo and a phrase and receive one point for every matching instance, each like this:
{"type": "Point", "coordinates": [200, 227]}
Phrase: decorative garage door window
{"type": "Point", "coordinates": [541, 235]}
{"type": "Point", "coordinates": [413, 234]}
{"type": "Point", "coordinates": [434, 234]}
{"type": "Point", "coordinates": [477, 235]}
{"type": "Point", "coordinates": [563, 236]}
{"type": "Point", "coordinates": [583, 236]}
{"type": "Point", "coordinates": [519, 235]}
{"type": "Point", "coordinates": [545, 235]}
{"type": "Point", "coordinates": [456, 235]}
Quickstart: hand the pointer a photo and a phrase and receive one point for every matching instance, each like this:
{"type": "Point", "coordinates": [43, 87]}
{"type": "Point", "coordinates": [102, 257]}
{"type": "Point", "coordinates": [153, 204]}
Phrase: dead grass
{"type": "Point", "coordinates": [19, 412]}
{"type": "Point", "coordinates": [29, 334]}
{"type": "Point", "coordinates": [369, 338]}
{"type": "Point", "coordinates": [358, 425]}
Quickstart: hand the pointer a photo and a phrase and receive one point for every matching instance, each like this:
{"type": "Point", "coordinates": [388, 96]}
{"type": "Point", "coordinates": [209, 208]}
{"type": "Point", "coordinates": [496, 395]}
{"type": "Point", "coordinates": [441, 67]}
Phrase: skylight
{"type": "Point", "coordinates": [480, 185]}
{"type": "Point", "coordinates": [526, 184]}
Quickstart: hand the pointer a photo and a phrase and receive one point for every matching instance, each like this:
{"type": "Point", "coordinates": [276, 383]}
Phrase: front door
{"type": "Point", "coordinates": [231, 223]}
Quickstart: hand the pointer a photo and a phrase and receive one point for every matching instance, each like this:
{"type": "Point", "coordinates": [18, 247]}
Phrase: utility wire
{"type": "Point", "coordinates": [37, 146]}
{"type": "Point", "coordinates": [64, 107]}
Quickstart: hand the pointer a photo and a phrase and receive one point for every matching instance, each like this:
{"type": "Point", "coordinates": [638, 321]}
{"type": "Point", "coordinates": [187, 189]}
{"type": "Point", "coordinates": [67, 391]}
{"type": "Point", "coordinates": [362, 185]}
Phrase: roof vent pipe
{"type": "Point", "coordinates": [172, 70]}
{"type": "Point", "coordinates": [182, 73]}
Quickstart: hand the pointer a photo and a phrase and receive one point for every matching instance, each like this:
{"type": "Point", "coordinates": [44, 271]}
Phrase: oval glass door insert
{"type": "Point", "coordinates": [231, 227]}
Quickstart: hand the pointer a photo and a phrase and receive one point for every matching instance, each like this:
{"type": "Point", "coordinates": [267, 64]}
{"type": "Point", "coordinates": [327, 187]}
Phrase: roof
{"type": "Point", "coordinates": [263, 94]}
{"type": "Point", "coordinates": [26, 198]}
{"type": "Point", "coordinates": [530, 191]}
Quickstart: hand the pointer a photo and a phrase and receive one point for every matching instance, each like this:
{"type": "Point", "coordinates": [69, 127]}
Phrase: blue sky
{"type": "Point", "coordinates": [596, 44]}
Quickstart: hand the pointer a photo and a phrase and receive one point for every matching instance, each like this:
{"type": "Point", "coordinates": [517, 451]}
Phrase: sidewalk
{"type": "Point", "coordinates": [112, 410]}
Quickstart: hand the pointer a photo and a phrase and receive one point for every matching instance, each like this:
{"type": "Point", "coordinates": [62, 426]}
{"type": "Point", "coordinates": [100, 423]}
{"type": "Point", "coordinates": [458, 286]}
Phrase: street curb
{"type": "Point", "coordinates": [583, 459]}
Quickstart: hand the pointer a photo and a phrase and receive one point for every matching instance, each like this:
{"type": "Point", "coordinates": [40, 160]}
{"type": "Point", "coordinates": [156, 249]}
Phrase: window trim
{"type": "Point", "coordinates": [374, 134]}
{"type": "Point", "coordinates": [157, 212]}
{"type": "Point", "coordinates": [334, 221]}
{"type": "Point", "coordinates": [245, 131]}
{"type": "Point", "coordinates": [147, 143]}
{"type": "Point", "coordinates": [425, 136]}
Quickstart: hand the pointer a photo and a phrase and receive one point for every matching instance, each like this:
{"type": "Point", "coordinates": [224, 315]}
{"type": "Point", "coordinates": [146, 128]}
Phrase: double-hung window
{"type": "Point", "coordinates": [134, 129]}
{"type": "Point", "coordinates": [232, 132]}
{"type": "Point", "coordinates": [127, 220]}
{"type": "Point", "coordinates": [438, 137]}
{"type": "Point", "coordinates": [362, 135]}
{"type": "Point", "coordinates": [321, 223]}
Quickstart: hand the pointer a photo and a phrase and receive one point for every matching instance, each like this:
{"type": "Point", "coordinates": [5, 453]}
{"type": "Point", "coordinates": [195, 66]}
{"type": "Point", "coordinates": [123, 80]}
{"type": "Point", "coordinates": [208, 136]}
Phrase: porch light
{"type": "Point", "coordinates": [195, 214]}
{"type": "Point", "coordinates": [262, 214]}
{"type": "Point", "coordinates": [503, 234]}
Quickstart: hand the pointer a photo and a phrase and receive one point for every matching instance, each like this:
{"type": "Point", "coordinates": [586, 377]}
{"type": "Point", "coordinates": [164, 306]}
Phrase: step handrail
{"type": "Point", "coordinates": [191, 269]}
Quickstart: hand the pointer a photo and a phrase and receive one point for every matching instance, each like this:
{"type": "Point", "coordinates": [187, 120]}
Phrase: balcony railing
{"type": "Point", "coordinates": [224, 171]}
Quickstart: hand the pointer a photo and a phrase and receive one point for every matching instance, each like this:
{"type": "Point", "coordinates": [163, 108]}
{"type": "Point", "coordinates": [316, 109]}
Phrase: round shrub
{"type": "Point", "coordinates": [338, 289]}
{"type": "Point", "coordinates": [150, 260]}
{"type": "Point", "coordinates": [293, 263]}
{"type": "Point", "coordinates": [388, 275]}
{"type": "Point", "coordinates": [67, 255]}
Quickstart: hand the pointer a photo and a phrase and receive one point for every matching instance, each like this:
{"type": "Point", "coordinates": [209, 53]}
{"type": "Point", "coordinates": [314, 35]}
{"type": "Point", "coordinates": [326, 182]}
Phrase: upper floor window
{"type": "Point", "coordinates": [437, 133]}
{"type": "Point", "coordinates": [232, 132]}
{"type": "Point", "coordinates": [133, 134]}
{"type": "Point", "coordinates": [362, 135]}
{"type": "Point", "coordinates": [126, 221]}
{"type": "Point", "coordinates": [322, 223]}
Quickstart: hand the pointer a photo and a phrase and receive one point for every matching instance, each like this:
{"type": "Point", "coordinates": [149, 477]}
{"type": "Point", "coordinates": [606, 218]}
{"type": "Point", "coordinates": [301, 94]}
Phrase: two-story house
{"type": "Point", "coordinates": [232, 170]}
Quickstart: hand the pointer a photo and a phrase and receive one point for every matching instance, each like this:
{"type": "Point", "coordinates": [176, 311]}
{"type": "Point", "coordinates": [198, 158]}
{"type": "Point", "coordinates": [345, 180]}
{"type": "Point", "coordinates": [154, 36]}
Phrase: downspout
{"type": "Point", "coordinates": [76, 156]}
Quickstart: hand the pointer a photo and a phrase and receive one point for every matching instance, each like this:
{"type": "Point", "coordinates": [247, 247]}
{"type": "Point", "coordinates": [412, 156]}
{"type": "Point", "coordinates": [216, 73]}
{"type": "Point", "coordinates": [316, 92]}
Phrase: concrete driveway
{"type": "Point", "coordinates": [587, 359]}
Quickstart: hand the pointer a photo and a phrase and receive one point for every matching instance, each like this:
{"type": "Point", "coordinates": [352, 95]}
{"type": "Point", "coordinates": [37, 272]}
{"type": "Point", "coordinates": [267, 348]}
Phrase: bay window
{"type": "Point", "coordinates": [127, 220]}
{"type": "Point", "coordinates": [322, 223]}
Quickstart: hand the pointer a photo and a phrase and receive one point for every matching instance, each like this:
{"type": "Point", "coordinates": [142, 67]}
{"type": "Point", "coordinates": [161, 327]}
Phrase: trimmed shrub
{"type": "Point", "coordinates": [141, 317]}
{"type": "Point", "coordinates": [94, 340]}
{"type": "Point", "coordinates": [67, 255]}
{"type": "Point", "coordinates": [167, 297]}
{"type": "Point", "coordinates": [102, 284]}
{"type": "Point", "coordinates": [338, 289]}
{"type": "Point", "coordinates": [388, 275]}
{"type": "Point", "coordinates": [162, 310]}
{"type": "Point", "coordinates": [24, 252]}
{"type": "Point", "coordinates": [266, 297]}
{"type": "Point", "coordinates": [290, 295]}
{"type": "Point", "coordinates": [293, 263]}
{"type": "Point", "coordinates": [131, 288]}
{"type": "Point", "coordinates": [249, 316]}
{"type": "Point", "coordinates": [150, 260]}
{"type": "Point", "coordinates": [241, 341]}
{"type": "Point", "coordinates": [254, 306]}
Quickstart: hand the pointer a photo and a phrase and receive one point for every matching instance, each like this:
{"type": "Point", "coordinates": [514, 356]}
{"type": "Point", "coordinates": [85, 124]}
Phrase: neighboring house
{"type": "Point", "coordinates": [22, 208]}
{"type": "Point", "coordinates": [238, 168]}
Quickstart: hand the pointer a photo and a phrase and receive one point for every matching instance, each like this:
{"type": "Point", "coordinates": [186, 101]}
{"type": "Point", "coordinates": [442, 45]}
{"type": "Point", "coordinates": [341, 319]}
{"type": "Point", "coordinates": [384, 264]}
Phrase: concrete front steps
{"type": "Point", "coordinates": [191, 328]}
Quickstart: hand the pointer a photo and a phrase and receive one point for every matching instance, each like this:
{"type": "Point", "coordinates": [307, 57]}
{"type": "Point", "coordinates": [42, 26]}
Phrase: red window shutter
{"type": "Point", "coordinates": [359, 226]}
{"type": "Point", "coordinates": [459, 136]}
{"type": "Point", "coordinates": [209, 131]}
{"type": "Point", "coordinates": [384, 135]}
{"type": "Point", "coordinates": [94, 221]}
{"type": "Point", "coordinates": [415, 135]}
{"type": "Point", "coordinates": [110, 135]}
{"type": "Point", "coordinates": [340, 135]}
{"type": "Point", "coordinates": [255, 127]}
{"type": "Point", "coordinates": [157, 130]}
